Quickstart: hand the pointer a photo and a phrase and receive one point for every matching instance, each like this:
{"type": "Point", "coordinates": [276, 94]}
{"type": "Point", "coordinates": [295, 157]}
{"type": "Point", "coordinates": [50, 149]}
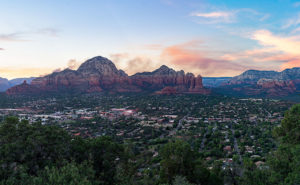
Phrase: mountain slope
{"type": "Point", "coordinates": [6, 84]}
{"type": "Point", "coordinates": [99, 74]}
{"type": "Point", "coordinates": [215, 81]}
{"type": "Point", "coordinates": [265, 83]}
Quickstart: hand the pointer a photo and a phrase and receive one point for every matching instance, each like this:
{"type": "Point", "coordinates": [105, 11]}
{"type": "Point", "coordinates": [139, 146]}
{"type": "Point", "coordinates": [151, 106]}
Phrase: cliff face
{"type": "Point", "coordinates": [268, 83]}
{"type": "Point", "coordinates": [23, 88]}
{"type": "Point", "coordinates": [167, 91]}
{"type": "Point", "coordinates": [165, 76]}
{"type": "Point", "coordinates": [100, 74]}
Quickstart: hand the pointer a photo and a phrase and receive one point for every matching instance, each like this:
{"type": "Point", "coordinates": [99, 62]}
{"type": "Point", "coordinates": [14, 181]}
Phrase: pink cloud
{"type": "Point", "coordinates": [285, 49]}
{"type": "Point", "coordinates": [290, 64]}
{"type": "Point", "coordinates": [188, 57]}
{"type": "Point", "coordinates": [276, 51]}
{"type": "Point", "coordinates": [289, 45]}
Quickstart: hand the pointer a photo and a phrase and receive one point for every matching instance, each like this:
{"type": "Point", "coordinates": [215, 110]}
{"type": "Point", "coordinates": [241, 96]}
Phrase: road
{"type": "Point", "coordinates": [181, 121]}
{"type": "Point", "coordinates": [236, 147]}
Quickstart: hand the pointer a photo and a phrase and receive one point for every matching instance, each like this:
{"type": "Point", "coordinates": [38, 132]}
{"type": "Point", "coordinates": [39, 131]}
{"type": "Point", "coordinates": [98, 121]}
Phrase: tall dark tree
{"type": "Point", "coordinates": [289, 130]}
{"type": "Point", "coordinates": [178, 159]}
{"type": "Point", "coordinates": [30, 146]}
{"type": "Point", "coordinates": [283, 165]}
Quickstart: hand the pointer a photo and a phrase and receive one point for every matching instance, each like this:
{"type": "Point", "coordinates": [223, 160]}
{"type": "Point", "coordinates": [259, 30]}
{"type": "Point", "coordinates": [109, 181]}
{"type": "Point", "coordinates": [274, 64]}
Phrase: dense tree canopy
{"type": "Point", "coordinates": [282, 167]}
{"type": "Point", "coordinates": [178, 159]}
{"type": "Point", "coordinates": [46, 153]}
{"type": "Point", "coordinates": [289, 130]}
{"type": "Point", "coordinates": [32, 153]}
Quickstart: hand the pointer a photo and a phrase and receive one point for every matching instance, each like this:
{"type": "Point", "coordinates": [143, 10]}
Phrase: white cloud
{"type": "Point", "coordinates": [273, 49]}
{"type": "Point", "coordinates": [296, 30]}
{"type": "Point", "coordinates": [20, 36]}
{"type": "Point", "coordinates": [265, 17]}
{"type": "Point", "coordinates": [292, 22]}
{"type": "Point", "coordinates": [214, 17]}
{"type": "Point", "coordinates": [290, 45]}
{"type": "Point", "coordinates": [230, 16]}
{"type": "Point", "coordinates": [213, 14]}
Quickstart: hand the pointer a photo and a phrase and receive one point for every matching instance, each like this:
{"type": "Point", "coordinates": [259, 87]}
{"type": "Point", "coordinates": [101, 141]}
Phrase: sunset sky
{"type": "Point", "coordinates": [211, 38]}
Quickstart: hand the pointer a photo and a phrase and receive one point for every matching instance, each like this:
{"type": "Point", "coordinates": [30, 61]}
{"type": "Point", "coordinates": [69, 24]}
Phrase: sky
{"type": "Point", "coordinates": [211, 38]}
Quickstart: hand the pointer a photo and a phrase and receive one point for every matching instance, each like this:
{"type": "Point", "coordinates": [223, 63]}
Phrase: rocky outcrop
{"type": "Point", "coordinates": [6, 84]}
{"type": "Point", "coordinates": [100, 75]}
{"type": "Point", "coordinates": [276, 87]}
{"type": "Point", "coordinates": [253, 76]}
{"type": "Point", "coordinates": [167, 91]}
{"type": "Point", "coordinates": [165, 76]}
{"type": "Point", "coordinates": [267, 83]}
{"type": "Point", "coordinates": [24, 89]}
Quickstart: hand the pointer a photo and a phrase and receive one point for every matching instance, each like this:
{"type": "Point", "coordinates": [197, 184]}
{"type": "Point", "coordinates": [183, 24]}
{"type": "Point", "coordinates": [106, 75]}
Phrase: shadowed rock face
{"type": "Point", "coordinates": [167, 91]}
{"type": "Point", "coordinates": [268, 83]}
{"type": "Point", "coordinates": [165, 76]}
{"type": "Point", "coordinates": [100, 74]}
{"type": "Point", "coordinates": [25, 88]}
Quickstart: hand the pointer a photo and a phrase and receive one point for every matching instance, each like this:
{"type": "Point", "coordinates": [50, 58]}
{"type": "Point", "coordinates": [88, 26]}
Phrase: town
{"type": "Point", "coordinates": [223, 129]}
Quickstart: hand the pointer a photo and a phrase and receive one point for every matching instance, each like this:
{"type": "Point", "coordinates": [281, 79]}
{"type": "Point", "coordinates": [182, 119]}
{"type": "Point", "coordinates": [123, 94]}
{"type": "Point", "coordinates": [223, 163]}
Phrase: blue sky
{"type": "Point", "coordinates": [211, 38]}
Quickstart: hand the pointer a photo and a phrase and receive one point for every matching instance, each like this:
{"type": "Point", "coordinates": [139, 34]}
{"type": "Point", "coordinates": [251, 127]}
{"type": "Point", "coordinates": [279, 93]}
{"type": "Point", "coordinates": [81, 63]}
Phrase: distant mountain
{"type": "Point", "coordinates": [165, 76]}
{"type": "Point", "coordinates": [18, 81]}
{"type": "Point", "coordinates": [265, 83]}
{"type": "Point", "coordinates": [99, 74]}
{"type": "Point", "coordinates": [252, 76]}
{"type": "Point", "coordinates": [212, 82]}
{"type": "Point", "coordinates": [6, 84]}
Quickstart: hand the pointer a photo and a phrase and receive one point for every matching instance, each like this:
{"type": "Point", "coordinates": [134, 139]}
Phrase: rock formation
{"type": "Point", "coordinates": [99, 74]}
{"type": "Point", "coordinates": [6, 84]}
{"type": "Point", "coordinates": [267, 83]}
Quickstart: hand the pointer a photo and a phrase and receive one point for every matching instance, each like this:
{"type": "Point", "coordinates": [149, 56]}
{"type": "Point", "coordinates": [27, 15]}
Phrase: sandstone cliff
{"type": "Point", "coordinates": [99, 74]}
{"type": "Point", "coordinates": [267, 83]}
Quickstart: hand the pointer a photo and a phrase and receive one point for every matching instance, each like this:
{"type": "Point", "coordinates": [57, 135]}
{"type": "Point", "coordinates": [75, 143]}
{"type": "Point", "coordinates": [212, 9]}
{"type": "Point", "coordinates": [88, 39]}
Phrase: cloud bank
{"type": "Point", "coordinates": [189, 58]}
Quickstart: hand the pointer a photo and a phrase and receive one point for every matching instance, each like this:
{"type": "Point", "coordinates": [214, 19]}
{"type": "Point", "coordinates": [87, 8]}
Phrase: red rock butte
{"type": "Point", "coordinates": [99, 74]}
